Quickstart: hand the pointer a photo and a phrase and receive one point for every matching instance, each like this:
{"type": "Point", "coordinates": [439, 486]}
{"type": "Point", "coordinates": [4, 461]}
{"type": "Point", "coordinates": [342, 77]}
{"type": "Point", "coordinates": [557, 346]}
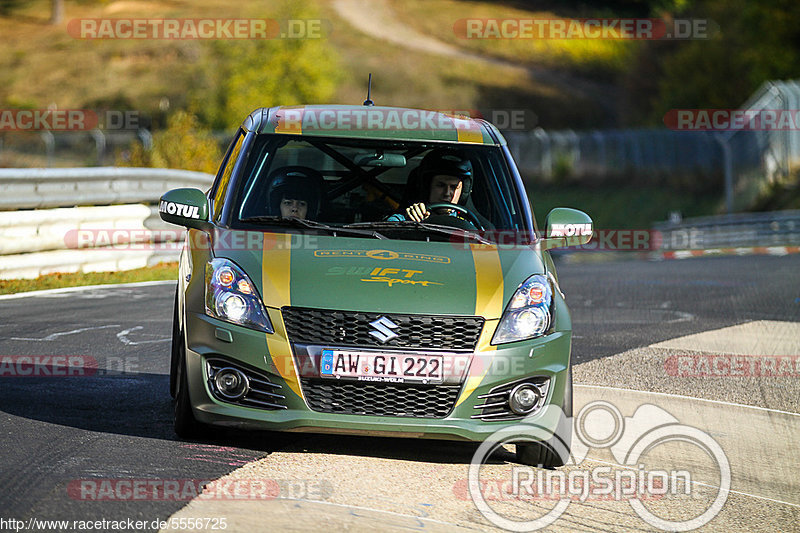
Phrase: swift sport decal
{"type": "Point", "coordinates": [390, 276]}
{"type": "Point", "coordinates": [384, 255]}
{"type": "Point", "coordinates": [405, 277]}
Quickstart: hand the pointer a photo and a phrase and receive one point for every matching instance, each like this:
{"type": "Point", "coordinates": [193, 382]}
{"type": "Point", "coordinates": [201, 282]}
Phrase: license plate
{"type": "Point", "coordinates": [368, 366]}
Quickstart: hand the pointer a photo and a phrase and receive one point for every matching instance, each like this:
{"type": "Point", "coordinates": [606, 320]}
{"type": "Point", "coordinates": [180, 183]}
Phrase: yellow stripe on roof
{"type": "Point", "coordinates": [468, 131]}
{"type": "Point", "coordinates": [289, 120]}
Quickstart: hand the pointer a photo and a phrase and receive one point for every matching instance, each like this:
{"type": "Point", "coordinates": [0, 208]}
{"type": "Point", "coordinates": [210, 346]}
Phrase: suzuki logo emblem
{"type": "Point", "coordinates": [383, 329]}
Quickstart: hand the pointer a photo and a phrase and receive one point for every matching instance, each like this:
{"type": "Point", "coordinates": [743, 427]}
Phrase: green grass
{"type": "Point", "coordinates": [152, 77]}
{"type": "Point", "coordinates": [619, 206]}
{"type": "Point", "coordinates": [163, 271]}
{"type": "Point", "coordinates": [438, 18]}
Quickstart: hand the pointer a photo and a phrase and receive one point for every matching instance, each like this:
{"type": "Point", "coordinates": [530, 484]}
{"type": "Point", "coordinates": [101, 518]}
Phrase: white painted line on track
{"type": "Point", "coordinates": [122, 336]}
{"type": "Point", "coordinates": [372, 510]}
{"type": "Point", "coordinates": [668, 394]}
{"type": "Point", "coordinates": [54, 336]}
{"type": "Point", "coordinates": [61, 290]}
{"type": "Point", "coordinates": [611, 463]}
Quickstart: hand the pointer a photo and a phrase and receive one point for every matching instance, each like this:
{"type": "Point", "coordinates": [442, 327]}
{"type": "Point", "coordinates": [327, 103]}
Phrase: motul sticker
{"type": "Point", "coordinates": [181, 210]}
{"type": "Point", "coordinates": [569, 230]}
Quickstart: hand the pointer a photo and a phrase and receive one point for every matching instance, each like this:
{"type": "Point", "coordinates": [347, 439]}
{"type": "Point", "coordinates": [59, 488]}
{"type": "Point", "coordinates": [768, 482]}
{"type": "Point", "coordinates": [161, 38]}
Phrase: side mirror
{"type": "Point", "coordinates": [184, 207]}
{"type": "Point", "coordinates": [567, 227]}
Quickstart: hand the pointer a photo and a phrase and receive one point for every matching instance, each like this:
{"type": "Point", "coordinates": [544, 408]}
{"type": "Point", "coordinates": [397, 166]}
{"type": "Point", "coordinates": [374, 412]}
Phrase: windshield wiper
{"type": "Point", "coordinates": [431, 228]}
{"type": "Point", "coordinates": [312, 224]}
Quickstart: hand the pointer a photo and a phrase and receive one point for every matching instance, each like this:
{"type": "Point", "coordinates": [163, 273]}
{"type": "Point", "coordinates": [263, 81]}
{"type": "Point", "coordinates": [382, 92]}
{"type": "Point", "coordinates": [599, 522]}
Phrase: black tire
{"type": "Point", "coordinates": [545, 454]}
{"type": "Point", "coordinates": [176, 351]}
{"type": "Point", "coordinates": [185, 424]}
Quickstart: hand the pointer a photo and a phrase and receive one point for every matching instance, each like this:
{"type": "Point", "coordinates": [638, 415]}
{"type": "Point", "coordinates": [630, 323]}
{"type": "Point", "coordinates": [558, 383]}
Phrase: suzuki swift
{"type": "Point", "coordinates": [370, 271]}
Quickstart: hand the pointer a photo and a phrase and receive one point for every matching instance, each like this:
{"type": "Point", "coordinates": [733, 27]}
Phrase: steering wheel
{"type": "Point", "coordinates": [472, 218]}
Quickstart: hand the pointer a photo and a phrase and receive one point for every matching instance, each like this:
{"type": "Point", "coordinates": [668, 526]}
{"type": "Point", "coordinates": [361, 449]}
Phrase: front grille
{"type": "Point", "coordinates": [263, 394]}
{"type": "Point", "coordinates": [380, 399]}
{"type": "Point", "coordinates": [348, 328]}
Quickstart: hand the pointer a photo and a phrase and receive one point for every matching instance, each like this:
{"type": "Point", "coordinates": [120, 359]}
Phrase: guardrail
{"type": "Point", "coordinates": [775, 228]}
{"type": "Point", "coordinates": [41, 230]}
{"type": "Point", "coordinates": [47, 237]}
{"type": "Point", "coordinates": [37, 188]}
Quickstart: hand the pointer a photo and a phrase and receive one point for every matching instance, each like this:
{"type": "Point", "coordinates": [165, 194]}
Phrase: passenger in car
{"type": "Point", "coordinates": [295, 191]}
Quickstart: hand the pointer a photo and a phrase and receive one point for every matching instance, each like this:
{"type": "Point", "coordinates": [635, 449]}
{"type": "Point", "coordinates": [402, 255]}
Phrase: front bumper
{"type": "Point", "coordinates": [271, 355]}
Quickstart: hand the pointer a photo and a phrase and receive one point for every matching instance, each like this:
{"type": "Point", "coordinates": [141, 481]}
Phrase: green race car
{"type": "Point", "coordinates": [370, 270]}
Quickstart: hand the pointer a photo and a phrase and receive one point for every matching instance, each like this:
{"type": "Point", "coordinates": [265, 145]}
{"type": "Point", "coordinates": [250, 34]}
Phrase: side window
{"type": "Point", "coordinates": [225, 178]}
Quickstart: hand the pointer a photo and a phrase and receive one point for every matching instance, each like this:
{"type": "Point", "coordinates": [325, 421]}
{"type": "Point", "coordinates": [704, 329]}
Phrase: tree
{"type": "Point", "coordinates": [239, 76]}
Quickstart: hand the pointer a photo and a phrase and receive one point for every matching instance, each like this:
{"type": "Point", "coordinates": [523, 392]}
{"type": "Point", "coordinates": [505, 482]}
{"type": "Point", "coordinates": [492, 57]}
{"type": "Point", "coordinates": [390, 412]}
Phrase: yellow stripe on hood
{"type": "Point", "coordinates": [488, 304]}
{"type": "Point", "coordinates": [275, 278]}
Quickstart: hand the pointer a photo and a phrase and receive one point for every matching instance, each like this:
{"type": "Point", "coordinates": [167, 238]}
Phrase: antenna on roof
{"type": "Point", "coordinates": [369, 102]}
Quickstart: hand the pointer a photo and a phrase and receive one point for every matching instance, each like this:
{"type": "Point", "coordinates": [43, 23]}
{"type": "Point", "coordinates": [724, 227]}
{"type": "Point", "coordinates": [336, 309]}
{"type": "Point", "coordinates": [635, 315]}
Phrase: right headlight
{"type": "Point", "coordinates": [528, 313]}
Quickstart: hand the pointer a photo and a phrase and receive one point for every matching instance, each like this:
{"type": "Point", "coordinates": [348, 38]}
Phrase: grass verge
{"type": "Point", "coordinates": [619, 206]}
{"type": "Point", "coordinates": [163, 271]}
{"type": "Point", "coordinates": [445, 20]}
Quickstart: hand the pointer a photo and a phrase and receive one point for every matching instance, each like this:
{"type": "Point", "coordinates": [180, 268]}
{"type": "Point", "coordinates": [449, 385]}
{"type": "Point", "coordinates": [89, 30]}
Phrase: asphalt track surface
{"type": "Point", "coordinates": [115, 422]}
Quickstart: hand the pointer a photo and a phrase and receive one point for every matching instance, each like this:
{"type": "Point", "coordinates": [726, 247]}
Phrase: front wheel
{"type": "Point", "coordinates": [185, 424]}
{"type": "Point", "coordinates": [546, 454]}
{"type": "Point", "coordinates": [175, 350]}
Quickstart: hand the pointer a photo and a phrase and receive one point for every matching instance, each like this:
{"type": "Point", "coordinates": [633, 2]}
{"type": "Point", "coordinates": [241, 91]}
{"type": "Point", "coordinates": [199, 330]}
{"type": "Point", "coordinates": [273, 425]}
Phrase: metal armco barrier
{"type": "Point", "coordinates": [775, 228]}
{"type": "Point", "coordinates": [37, 188]}
{"type": "Point", "coordinates": [39, 234]}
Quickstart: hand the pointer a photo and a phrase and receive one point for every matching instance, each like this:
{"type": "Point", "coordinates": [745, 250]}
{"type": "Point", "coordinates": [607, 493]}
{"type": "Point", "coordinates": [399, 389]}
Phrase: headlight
{"type": "Point", "coordinates": [232, 297]}
{"type": "Point", "coordinates": [528, 313]}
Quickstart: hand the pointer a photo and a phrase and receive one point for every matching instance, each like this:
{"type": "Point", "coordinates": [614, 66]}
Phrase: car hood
{"type": "Point", "coordinates": [388, 276]}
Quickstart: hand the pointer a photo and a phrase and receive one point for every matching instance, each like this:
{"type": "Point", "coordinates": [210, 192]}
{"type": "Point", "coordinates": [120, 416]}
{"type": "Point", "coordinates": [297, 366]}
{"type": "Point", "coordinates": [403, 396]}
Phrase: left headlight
{"type": "Point", "coordinates": [528, 313]}
{"type": "Point", "coordinates": [232, 297]}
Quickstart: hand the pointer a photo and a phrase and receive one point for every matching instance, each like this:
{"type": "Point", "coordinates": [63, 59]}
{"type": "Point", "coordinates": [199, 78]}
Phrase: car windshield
{"type": "Point", "coordinates": [340, 185]}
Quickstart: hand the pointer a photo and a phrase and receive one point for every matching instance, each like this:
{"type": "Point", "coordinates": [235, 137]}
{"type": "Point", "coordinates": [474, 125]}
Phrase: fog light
{"type": "Point", "coordinates": [524, 398]}
{"type": "Point", "coordinates": [231, 383]}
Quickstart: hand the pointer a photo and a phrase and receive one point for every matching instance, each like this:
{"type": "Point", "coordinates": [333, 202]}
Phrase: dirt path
{"type": "Point", "coordinates": [376, 19]}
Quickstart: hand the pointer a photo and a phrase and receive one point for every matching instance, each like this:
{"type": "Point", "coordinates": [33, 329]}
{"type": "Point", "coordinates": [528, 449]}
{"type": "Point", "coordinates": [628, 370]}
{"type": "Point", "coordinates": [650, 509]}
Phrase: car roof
{"type": "Point", "coordinates": [373, 122]}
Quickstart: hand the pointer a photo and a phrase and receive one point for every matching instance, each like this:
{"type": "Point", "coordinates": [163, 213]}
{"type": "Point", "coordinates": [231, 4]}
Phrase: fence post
{"type": "Point", "coordinates": [547, 156]}
{"type": "Point", "coordinates": [49, 146]}
{"type": "Point", "coordinates": [727, 159]}
{"type": "Point", "coordinates": [146, 137]}
{"type": "Point", "coordinates": [100, 145]}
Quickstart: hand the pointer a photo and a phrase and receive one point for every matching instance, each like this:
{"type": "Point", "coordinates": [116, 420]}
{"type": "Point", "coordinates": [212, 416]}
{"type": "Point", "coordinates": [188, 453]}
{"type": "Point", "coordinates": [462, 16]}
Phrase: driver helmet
{"type": "Point", "coordinates": [297, 183]}
{"type": "Point", "coordinates": [448, 163]}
